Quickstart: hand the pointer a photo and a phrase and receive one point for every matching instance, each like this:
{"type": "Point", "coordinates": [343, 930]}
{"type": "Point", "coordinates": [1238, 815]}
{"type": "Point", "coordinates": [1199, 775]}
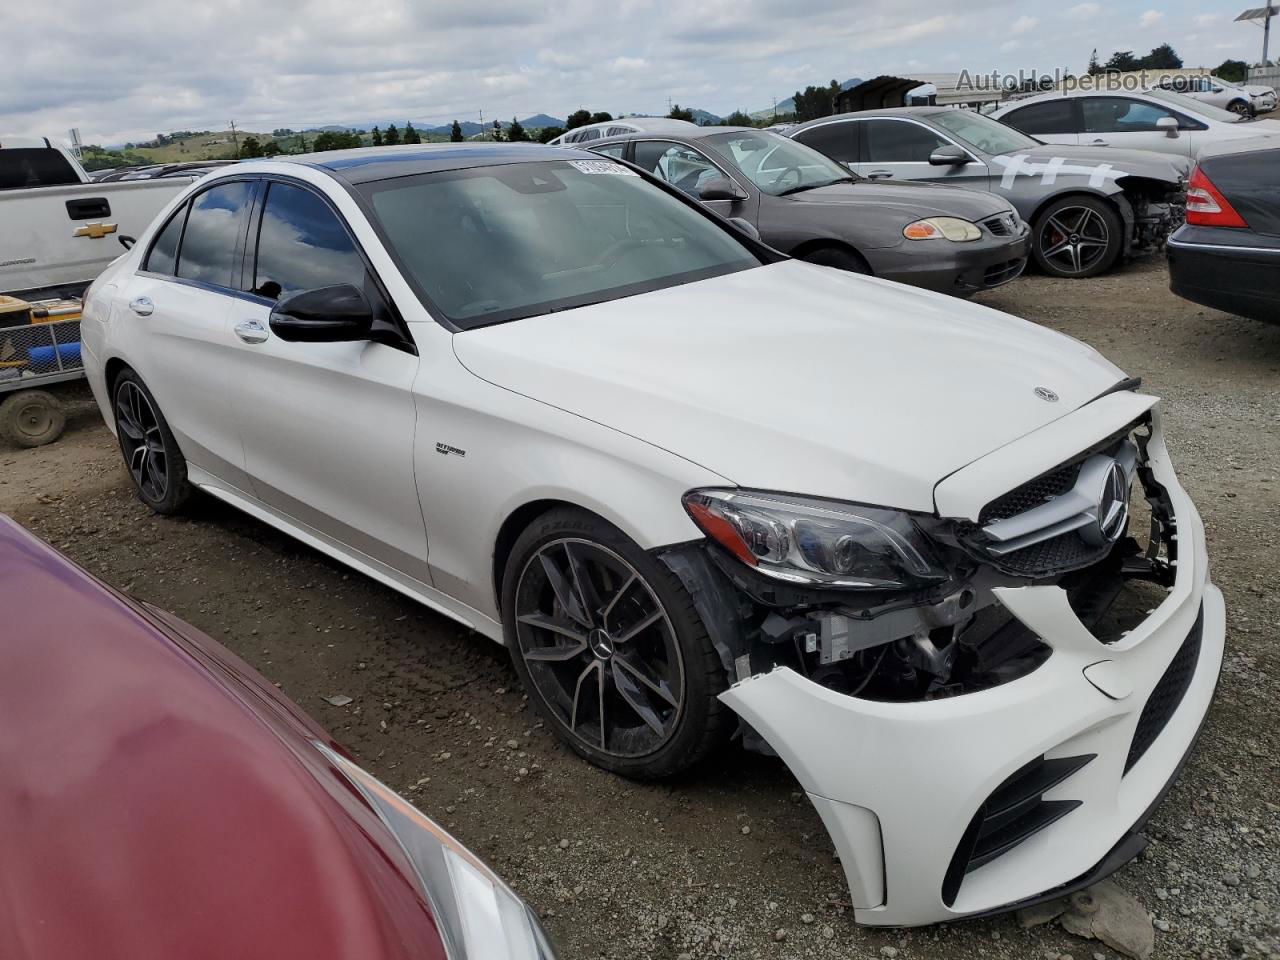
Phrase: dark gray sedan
{"type": "Point", "coordinates": [1088, 206]}
{"type": "Point", "coordinates": [945, 239]}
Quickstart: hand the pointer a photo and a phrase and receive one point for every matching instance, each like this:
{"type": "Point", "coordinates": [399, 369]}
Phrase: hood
{"type": "Point", "coordinates": [1144, 163]}
{"type": "Point", "coordinates": [915, 200]}
{"type": "Point", "coordinates": [799, 378]}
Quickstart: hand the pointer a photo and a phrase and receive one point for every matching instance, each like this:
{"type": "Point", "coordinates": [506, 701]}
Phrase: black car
{"type": "Point", "coordinates": [1227, 255]}
{"type": "Point", "coordinates": [941, 238]}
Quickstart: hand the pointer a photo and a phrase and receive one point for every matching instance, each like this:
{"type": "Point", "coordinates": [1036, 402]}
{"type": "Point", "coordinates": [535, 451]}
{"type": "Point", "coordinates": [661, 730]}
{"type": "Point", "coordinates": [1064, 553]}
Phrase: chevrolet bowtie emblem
{"type": "Point", "coordinates": [95, 231]}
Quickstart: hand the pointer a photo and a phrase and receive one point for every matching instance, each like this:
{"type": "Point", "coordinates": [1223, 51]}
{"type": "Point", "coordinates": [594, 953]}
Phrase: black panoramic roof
{"type": "Point", "coordinates": [366, 164]}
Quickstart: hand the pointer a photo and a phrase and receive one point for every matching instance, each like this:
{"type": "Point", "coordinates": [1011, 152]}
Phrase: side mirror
{"type": "Point", "coordinates": [1168, 125]}
{"type": "Point", "coordinates": [720, 188]}
{"type": "Point", "coordinates": [324, 315]}
{"type": "Point", "coordinates": [948, 155]}
{"type": "Point", "coordinates": [745, 226]}
{"type": "Point", "coordinates": [126, 241]}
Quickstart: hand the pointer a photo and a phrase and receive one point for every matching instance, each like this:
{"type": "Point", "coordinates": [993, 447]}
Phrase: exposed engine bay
{"type": "Point", "coordinates": [954, 638]}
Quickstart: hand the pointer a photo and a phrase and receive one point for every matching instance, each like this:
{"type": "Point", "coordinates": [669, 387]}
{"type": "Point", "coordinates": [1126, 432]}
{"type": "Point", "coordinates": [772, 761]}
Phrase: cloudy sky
{"type": "Point", "coordinates": [128, 69]}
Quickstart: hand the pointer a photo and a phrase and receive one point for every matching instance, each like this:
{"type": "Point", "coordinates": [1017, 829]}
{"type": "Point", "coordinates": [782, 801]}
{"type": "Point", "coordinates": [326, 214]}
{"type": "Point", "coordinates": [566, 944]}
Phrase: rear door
{"type": "Point", "coordinates": [897, 148]}
{"type": "Point", "coordinates": [177, 309]}
{"type": "Point", "coordinates": [328, 428]}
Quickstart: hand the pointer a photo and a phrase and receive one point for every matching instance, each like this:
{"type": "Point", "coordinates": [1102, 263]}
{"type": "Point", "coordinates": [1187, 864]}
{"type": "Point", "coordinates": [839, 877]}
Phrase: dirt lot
{"type": "Point", "coordinates": [729, 862]}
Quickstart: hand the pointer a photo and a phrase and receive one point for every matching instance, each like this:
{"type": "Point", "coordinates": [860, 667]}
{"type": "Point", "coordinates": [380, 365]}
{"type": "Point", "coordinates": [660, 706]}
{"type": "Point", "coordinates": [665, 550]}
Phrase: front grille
{"type": "Point", "coordinates": [1167, 695]}
{"type": "Point", "coordinates": [1002, 225]}
{"type": "Point", "coordinates": [1000, 273]}
{"type": "Point", "coordinates": [1060, 554]}
{"type": "Point", "coordinates": [1031, 494]}
{"type": "Point", "coordinates": [1015, 812]}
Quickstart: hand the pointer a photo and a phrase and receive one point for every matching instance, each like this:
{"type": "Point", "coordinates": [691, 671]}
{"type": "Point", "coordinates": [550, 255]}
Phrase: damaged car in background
{"type": "Point", "coordinates": [934, 557]}
{"type": "Point", "coordinates": [1089, 207]}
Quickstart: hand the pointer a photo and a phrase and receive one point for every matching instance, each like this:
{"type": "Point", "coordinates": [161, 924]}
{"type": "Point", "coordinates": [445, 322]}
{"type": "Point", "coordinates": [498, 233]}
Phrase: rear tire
{"type": "Point", "coordinates": [839, 258]}
{"type": "Point", "coordinates": [639, 700]}
{"type": "Point", "coordinates": [151, 455]}
{"type": "Point", "coordinates": [32, 418]}
{"type": "Point", "coordinates": [1077, 237]}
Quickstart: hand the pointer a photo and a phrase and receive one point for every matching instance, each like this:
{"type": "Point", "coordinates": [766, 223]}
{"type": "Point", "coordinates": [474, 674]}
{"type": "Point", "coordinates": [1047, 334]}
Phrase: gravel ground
{"type": "Point", "coordinates": [729, 861]}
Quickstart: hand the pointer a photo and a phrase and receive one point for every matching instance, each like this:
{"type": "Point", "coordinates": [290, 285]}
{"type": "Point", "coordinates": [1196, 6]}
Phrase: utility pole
{"type": "Point", "coordinates": [1266, 31]}
{"type": "Point", "coordinates": [235, 139]}
{"type": "Point", "coordinates": [775, 109]}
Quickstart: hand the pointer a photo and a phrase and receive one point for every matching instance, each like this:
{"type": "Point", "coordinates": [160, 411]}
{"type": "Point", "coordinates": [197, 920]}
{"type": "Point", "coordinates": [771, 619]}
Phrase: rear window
{"type": "Point", "coordinates": [34, 167]}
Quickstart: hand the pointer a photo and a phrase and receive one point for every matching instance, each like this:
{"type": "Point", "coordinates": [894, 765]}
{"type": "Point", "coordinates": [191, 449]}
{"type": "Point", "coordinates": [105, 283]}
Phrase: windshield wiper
{"type": "Point", "coordinates": [814, 186]}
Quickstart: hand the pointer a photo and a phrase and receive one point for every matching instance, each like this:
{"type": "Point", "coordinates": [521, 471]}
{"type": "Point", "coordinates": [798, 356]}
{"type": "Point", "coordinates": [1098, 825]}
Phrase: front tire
{"type": "Point", "coordinates": [610, 648]}
{"type": "Point", "coordinates": [1077, 237]}
{"type": "Point", "coordinates": [151, 454]}
{"type": "Point", "coordinates": [1240, 107]}
{"type": "Point", "coordinates": [839, 258]}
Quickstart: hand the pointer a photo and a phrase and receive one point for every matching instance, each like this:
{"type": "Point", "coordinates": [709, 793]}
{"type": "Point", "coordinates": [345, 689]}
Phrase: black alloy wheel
{"type": "Point", "coordinates": [151, 454]}
{"type": "Point", "coordinates": [610, 648]}
{"type": "Point", "coordinates": [1077, 237]}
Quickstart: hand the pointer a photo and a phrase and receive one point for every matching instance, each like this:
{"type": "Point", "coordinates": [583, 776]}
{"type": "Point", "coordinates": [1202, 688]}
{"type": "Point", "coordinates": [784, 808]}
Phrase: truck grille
{"type": "Point", "coordinates": [1167, 695]}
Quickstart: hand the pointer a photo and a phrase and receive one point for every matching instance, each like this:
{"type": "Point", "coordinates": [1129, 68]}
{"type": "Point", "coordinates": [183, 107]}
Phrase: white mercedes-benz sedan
{"type": "Point", "coordinates": [934, 557]}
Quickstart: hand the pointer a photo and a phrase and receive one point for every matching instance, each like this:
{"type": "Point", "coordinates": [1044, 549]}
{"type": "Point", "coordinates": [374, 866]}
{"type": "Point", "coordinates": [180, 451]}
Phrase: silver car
{"type": "Point", "coordinates": [1088, 207]}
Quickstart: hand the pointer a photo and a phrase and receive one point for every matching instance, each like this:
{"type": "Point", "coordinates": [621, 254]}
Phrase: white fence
{"type": "Point", "coordinates": [1267, 76]}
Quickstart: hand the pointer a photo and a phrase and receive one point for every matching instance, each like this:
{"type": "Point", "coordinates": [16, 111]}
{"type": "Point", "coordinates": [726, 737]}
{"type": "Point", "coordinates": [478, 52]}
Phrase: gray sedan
{"type": "Point", "coordinates": [944, 239]}
{"type": "Point", "coordinates": [1088, 206]}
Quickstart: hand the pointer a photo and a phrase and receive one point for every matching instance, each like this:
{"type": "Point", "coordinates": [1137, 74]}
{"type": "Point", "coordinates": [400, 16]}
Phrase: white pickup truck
{"type": "Point", "coordinates": [58, 230]}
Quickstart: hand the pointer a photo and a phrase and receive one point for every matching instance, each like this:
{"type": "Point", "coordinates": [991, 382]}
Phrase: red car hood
{"type": "Point", "coordinates": [159, 800]}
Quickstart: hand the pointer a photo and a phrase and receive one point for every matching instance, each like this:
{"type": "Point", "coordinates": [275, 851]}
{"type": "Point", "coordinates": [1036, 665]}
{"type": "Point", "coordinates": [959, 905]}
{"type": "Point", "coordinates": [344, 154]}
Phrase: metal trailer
{"type": "Point", "coordinates": [39, 359]}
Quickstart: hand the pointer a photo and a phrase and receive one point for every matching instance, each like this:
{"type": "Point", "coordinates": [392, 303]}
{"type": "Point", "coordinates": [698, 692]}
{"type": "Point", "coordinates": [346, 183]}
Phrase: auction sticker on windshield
{"type": "Point", "coordinates": [603, 166]}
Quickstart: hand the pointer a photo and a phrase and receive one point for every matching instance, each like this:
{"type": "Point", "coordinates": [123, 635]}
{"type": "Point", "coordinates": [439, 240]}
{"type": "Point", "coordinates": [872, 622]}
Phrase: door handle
{"type": "Point", "coordinates": [251, 331]}
{"type": "Point", "coordinates": [142, 306]}
{"type": "Point", "coordinates": [880, 174]}
{"type": "Point", "coordinates": [1099, 142]}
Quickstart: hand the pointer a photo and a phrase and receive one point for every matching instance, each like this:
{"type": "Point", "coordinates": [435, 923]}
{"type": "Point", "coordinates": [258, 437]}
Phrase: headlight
{"type": "Point", "coordinates": [812, 541]}
{"type": "Point", "coordinates": [479, 917]}
{"type": "Point", "coordinates": [950, 228]}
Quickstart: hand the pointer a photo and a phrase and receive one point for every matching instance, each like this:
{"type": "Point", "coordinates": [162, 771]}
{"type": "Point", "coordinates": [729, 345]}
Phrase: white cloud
{"type": "Point", "coordinates": [1207, 19]}
{"type": "Point", "coordinates": [1150, 18]}
{"type": "Point", "coordinates": [161, 65]}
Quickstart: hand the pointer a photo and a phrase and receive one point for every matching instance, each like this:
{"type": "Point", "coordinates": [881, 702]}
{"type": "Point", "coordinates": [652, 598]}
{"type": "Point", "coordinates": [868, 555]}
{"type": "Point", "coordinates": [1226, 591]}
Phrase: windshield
{"type": "Point", "coordinates": [982, 133]}
{"type": "Point", "coordinates": [1195, 107]}
{"type": "Point", "coordinates": [775, 164]}
{"type": "Point", "coordinates": [491, 244]}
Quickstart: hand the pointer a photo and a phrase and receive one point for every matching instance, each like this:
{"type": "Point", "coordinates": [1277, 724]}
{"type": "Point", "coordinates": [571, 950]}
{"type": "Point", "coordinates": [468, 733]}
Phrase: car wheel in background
{"type": "Point", "coordinates": [837, 257]}
{"type": "Point", "coordinates": [1240, 107]}
{"type": "Point", "coordinates": [31, 418]}
{"type": "Point", "coordinates": [608, 644]}
{"type": "Point", "coordinates": [151, 454]}
{"type": "Point", "coordinates": [1077, 237]}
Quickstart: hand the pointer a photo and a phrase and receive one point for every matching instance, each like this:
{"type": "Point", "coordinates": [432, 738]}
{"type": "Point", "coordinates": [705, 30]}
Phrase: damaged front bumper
{"type": "Point", "coordinates": [971, 804]}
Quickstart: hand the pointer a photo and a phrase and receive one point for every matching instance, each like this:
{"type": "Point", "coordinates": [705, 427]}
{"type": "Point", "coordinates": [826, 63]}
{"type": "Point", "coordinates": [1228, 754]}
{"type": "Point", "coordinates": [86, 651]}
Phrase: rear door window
{"type": "Point", "coordinates": [163, 255]}
{"type": "Point", "coordinates": [302, 245]}
{"type": "Point", "coordinates": [211, 241]}
{"type": "Point", "coordinates": [22, 167]}
{"type": "Point", "coordinates": [839, 141]}
{"type": "Point", "coordinates": [1052, 116]}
